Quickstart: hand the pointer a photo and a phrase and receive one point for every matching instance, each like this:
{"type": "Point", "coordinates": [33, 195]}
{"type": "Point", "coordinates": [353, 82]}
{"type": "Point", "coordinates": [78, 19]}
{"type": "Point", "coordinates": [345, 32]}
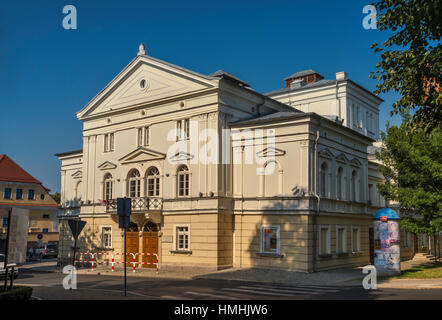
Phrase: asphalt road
{"type": "Point", "coordinates": [48, 285]}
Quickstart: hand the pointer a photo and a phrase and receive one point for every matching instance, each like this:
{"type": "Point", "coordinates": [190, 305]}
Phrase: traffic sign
{"type": "Point", "coordinates": [124, 210]}
{"type": "Point", "coordinates": [39, 236]}
{"type": "Point", "coordinates": [76, 227]}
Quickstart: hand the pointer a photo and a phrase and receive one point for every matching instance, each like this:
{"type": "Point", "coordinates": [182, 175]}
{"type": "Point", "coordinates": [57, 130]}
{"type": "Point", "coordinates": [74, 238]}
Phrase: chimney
{"type": "Point", "coordinates": [306, 77]}
{"type": "Point", "coordinates": [341, 75]}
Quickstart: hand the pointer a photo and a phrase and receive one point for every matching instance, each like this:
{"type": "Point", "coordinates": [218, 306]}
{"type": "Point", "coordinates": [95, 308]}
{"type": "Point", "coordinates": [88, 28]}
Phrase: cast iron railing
{"type": "Point", "coordinates": [138, 204]}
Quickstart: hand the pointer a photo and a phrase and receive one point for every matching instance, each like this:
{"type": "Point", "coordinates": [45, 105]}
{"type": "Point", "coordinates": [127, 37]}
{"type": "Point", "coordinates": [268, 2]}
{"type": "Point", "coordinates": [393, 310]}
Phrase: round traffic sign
{"type": "Point", "coordinates": [40, 236]}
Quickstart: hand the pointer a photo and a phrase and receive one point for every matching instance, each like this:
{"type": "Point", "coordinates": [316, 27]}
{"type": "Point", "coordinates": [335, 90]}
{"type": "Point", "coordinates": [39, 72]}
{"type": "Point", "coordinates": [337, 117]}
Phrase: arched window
{"type": "Point", "coordinates": [339, 177]}
{"type": "Point", "coordinates": [323, 180]}
{"type": "Point", "coordinates": [134, 184]}
{"type": "Point", "coordinates": [354, 177]}
{"type": "Point", "coordinates": [153, 182]}
{"type": "Point", "coordinates": [108, 186]}
{"type": "Point", "coordinates": [183, 181]}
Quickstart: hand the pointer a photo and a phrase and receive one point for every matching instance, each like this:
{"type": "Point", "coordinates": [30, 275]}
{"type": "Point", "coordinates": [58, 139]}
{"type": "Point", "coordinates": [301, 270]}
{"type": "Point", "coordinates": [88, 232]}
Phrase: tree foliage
{"type": "Point", "coordinates": [411, 59]}
{"type": "Point", "coordinates": [413, 171]}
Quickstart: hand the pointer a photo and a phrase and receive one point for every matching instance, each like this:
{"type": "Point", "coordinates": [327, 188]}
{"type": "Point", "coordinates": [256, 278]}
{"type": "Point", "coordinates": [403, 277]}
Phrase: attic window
{"type": "Point", "coordinates": [142, 84]}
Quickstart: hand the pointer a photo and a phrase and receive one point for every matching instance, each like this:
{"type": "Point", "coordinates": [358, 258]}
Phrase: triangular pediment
{"type": "Point", "coordinates": [181, 156]}
{"type": "Point", "coordinates": [77, 174]}
{"type": "Point", "coordinates": [107, 165]}
{"type": "Point", "coordinates": [270, 152]}
{"type": "Point", "coordinates": [342, 158]}
{"type": "Point", "coordinates": [145, 80]}
{"type": "Point", "coordinates": [325, 153]}
{"type": "Point", "coordinates": [355, 162]}
{"type": "Point", "coordinates": [142, 154]}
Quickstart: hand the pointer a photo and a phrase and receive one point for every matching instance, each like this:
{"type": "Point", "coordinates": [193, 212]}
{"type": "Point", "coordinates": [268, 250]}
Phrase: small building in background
{"type": "Point", "coordinates": [24, 195]}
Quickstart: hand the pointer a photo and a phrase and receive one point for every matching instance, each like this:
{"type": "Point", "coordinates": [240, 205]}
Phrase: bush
{"type": "Point", "coordinates": [16, 293]}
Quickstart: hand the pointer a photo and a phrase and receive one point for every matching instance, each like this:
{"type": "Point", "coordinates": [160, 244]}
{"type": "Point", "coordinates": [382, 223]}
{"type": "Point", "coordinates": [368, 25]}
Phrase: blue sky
{"type": "Point", "coordinates": [49, 73]}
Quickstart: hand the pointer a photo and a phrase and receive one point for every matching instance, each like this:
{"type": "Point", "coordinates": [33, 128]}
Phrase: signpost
{"type": "Point", "coordinates": [76, 227]}
{"type": "Point", "coordinates": [124, 210]}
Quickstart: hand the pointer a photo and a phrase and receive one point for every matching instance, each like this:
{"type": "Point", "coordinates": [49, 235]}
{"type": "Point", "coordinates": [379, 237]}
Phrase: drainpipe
{"type": "Point", "coordinates": [315, 231]}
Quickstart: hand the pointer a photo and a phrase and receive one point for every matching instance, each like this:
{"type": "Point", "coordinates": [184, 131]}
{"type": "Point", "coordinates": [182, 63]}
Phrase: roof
{"type": "Point", "coordinates": [386, 212]}
{"type": "Point", "coordinates": [68, 153]}
{"type": "Point", "coordinates": [11, 171]}
{"type": "Point", "coordinates": [319, 83]}
{"type": "Point", "coordinates": [272, 116]}
{"type": "Point", "coordinates": [226, 75]}
{"type": "Point", "coordinates": [302, 74]}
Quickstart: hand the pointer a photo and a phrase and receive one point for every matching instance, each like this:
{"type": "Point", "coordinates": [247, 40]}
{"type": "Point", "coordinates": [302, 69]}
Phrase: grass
{"type": "Point", "coordinates": [429, 271]}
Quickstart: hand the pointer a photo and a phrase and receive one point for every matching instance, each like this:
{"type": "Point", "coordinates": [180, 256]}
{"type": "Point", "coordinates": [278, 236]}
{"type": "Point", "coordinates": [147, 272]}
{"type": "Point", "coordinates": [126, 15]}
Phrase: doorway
{"type": "Point", "coordinates": [150, 244]}
{"type": "Point", "coordinates": [132, 243]}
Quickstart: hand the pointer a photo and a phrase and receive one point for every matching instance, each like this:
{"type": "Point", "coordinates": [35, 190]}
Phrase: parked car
{"type": "Point", "coordinates": [3, 270]}
{"type": "Point", "coordinates": [46, 250]}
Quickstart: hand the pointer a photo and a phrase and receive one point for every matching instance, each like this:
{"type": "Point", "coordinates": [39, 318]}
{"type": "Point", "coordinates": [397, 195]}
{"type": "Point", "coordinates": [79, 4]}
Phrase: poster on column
{"type": "Point", "coordinates": [18, 237]}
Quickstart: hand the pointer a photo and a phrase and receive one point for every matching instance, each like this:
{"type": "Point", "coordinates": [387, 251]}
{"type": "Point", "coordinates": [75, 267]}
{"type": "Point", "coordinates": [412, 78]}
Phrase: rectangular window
{"type": "Point", "coordinates": [106, 237]}
{"type": "Point", "coordinates": [140, 136]}
{"type": "Point", "coordinates": [183, 129]}
{"type": "Point", "coordinates": [44, 230]}
{"type": "Point", "coordinates": [7, 193]}
{"type": "Point", "coordinates": [182, 238]}
{"type": "Point", "coordinates": [355, 239]}
{"type": "Point", "coordinates": [111, 142]}
{"type": "Point", "coordinates": [270, 239]}
{"type": "Point", "coordinates": [106, 143]}
{"type": "Point", "coordinates": [370, 194]}
{"type": "Point", "coordinates": [19, 194]}
{"type": "Point", "coordinates": [146, 136]}
{"type": "Point", "coordinates": [46, 216]}
{"type": "Point", "coordinates": [324, 240]}
{"type": "Point", "coordinates": [341, 237]}
{"type": "Point", "coordinates": [4, 222]}
{"type": "Point", "coordinates": [31, 194]}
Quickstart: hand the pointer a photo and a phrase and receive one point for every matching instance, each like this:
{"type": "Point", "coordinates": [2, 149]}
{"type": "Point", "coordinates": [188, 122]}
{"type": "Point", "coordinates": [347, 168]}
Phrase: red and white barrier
{"type": "Point", "coordinates": [94, 259]}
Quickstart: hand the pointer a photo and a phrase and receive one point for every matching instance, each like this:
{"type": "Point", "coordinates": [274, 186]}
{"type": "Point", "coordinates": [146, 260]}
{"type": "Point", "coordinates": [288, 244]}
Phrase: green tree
{"type": "Point", "coordinates": [411, 59]}
{"type": "Point", "coordinates": [413, 171]}
{"type": "Point", "coordinates": [56, 196]}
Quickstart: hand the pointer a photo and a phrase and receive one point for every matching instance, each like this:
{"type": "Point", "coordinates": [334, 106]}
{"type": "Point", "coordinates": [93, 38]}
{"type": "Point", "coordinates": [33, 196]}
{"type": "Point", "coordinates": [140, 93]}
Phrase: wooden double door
{"type": "Point", "coordinates": [150, 245]}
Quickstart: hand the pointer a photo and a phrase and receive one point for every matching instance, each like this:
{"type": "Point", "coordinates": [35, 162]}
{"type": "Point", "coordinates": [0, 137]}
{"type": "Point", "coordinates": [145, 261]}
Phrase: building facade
{"type": "Point", "coordinates": [222, 176]}
{"type": "Point", "coordinates": [25, 196]}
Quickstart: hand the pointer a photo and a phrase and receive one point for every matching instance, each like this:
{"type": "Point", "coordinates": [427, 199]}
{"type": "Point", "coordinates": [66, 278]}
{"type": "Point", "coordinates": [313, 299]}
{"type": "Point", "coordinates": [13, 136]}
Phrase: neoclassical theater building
{"type": "Point", "coordinates": [312, 211]}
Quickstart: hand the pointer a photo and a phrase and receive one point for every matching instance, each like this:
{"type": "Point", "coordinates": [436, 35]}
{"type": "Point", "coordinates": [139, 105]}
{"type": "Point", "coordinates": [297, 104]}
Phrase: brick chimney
{"type": "Point", "coordinates": [306, 77]}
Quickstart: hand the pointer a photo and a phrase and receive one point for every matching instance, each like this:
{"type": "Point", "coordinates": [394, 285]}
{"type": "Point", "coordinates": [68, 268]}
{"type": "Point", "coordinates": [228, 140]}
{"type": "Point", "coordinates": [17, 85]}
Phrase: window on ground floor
{"type": "Point", "coordinates": [355, 239]}
{"type": "Point", "coordinates": [182, 238]}
{"type": "Point", "coordinates": [270, 242]}
{"type": "Point", "coordinates": [341, 239]}
{"type": "Point", "coordinates": [106, 237]}
{"type": "Point", "coordinates": [324, 240]}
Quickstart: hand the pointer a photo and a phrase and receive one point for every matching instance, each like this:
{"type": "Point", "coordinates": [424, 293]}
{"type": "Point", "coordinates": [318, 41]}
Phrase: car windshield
{"type": "Point", "coordinates": [52, 246]}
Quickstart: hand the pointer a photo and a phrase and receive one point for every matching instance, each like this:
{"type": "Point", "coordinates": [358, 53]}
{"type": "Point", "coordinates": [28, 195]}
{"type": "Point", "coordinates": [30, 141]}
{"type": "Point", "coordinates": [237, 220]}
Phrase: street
{"type": "Point", "coordinates": [48, 286]}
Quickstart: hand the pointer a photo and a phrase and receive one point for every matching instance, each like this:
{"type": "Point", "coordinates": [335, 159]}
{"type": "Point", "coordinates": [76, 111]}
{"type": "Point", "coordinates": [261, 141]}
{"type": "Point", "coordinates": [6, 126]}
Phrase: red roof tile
{"type": "Point", "coordinates": [11, 171]}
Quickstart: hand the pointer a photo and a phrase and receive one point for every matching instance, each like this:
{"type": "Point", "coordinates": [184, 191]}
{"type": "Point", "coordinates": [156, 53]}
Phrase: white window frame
{"type": "Point", "coordinates": [328, 242]}
{"type": "Point", "coordinates": [106, 182]}
{"type": "Point", "coordinates": [358, 239]}
{"type": "Point", "coordinates": [146, 135]}
{"type": "Point", "coordinates": [183, 173]}
{"type": "Point", "coordinates": [10, 193]}
{"type": "Point", "coordinates": [175, 237]}
{"type": "Point", "coordinates": [183, 127]}
{"type": "Point", "coordinates": [344, 241]}
{"type": "Point", "coordinates": [278, 238]}
{"type": "Point", "coordinates": [109, 142]}
{"type": "Point", "coordinates": [103, 245]}
{"type": "Point", "coordinates": [139, 136]}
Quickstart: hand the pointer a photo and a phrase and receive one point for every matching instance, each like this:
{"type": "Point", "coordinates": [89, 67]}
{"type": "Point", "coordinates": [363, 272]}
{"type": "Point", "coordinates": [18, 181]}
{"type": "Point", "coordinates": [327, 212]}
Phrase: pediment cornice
{"type": "Point", "coordinates": [142, 154]}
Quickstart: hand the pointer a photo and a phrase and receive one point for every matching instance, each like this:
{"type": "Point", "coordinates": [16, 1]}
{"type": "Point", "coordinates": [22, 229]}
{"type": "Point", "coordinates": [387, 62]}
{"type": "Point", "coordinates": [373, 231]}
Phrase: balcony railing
{"type": "Point", "coordinates": [138, 204]}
